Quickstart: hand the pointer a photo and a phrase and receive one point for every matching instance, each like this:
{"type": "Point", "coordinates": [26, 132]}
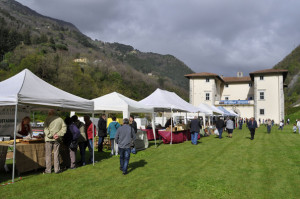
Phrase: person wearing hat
{"type": "Point", "coordinates": [124, 137]}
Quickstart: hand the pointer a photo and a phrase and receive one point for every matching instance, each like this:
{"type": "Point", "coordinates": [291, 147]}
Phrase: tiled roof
{"type": "Point", "coordinates": [201, 75]}
{"type": "Point", "coordinates": [269, 71]}
{"type": "Point", "coordinates": [236, 79]}
{"type": "Point", "coordinates": [204, 74]}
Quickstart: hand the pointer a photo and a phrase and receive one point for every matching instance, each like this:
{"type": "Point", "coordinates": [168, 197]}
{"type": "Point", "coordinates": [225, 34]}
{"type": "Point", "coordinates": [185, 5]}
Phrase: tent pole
{"type": "Point", "coordinates": [15, 131]}
{"type": "Point", "coordinates": [171, 126]}
{"type": "Point", "coordinates": [153, 127]}
{"type": "Point", "coordinates": [162, 119]}
{"type": "Point", "coordinates": [93, 140]}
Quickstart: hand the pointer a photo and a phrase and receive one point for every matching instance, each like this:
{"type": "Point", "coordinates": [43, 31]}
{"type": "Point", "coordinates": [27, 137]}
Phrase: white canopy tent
{"type": "Point", "coordinates": [210, 110]}
{"type": "Point", "coordinates": [233, 113]}
{"type": "Point", "coordinates": [163, 100]}
{"type": "Point", "coordinates": [115, 102]}
{"type": "Point", "coordinates": [27, 89]}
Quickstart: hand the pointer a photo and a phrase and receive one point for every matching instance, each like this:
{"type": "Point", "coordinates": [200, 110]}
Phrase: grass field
{"type": "Point", "coordinates": [267, 167]}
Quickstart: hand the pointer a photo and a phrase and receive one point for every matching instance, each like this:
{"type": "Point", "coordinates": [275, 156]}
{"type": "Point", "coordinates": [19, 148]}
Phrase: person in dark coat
{"type": "Point", "coordinates": [241, 124]}
{"type": "Point", "coordinates": [102, 124]}
{"type": "Point", "coordinates": [252, 125]}
{"type": "Point", "coordinates": [124, 137]}
{"type": "Point", "coordinates": [195, 129]}
{"type": "Point", "coordinates": [220, 124]}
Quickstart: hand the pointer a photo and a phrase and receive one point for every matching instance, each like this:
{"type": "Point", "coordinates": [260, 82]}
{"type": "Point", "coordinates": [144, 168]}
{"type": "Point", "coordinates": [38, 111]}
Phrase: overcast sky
{"type": "Point", "coordinates": [219, 36]}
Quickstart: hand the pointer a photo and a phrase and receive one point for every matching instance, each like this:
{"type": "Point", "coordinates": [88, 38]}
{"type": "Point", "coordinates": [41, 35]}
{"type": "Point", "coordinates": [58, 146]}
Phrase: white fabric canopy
{"type": "Point", "coordinates": [233, 113]}
{"type": "Point", "coordinates": [115, 102]}
{"type": "Point", "coordinates": [27, 88]}
{"type": "Point", "coordinates": [215, 109]}
{"type": "Point", "coordinates": [209, 110]}
{"type": "Point", "coordinates": [162, 99]}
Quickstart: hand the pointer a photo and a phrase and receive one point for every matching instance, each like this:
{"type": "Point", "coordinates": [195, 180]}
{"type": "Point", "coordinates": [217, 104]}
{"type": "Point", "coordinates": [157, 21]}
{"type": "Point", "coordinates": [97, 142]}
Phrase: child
{"type": "Point", "coordinates": [294, 128]}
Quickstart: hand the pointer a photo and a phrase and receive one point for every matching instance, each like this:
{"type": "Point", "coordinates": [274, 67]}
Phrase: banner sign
{"type": "Point", "coordinates": [7, 119]}
{"type": "Point", "coordinates": [232, 102]}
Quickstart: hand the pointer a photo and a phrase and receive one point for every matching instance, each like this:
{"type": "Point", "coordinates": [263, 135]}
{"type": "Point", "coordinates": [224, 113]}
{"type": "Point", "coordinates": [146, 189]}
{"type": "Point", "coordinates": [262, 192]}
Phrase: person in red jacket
{"type": "Point", "coordinates": [89, 135]}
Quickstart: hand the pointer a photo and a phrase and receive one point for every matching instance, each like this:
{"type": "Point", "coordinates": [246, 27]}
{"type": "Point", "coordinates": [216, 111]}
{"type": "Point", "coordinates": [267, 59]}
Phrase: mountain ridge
{"type": "Point", "coordinates": [56, 50]}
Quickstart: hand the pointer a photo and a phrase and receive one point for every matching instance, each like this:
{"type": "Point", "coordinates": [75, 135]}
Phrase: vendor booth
{"type": "Point", "coordinates": [162, 101]}
{"type": "Point", "coordinates": [27, 91]}
{"type": "Point", "coordinates": [115, 102]}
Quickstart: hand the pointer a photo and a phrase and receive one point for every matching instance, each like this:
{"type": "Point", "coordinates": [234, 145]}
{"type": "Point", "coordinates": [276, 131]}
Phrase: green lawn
{"type": "Point", "coordinates": [267, 167]}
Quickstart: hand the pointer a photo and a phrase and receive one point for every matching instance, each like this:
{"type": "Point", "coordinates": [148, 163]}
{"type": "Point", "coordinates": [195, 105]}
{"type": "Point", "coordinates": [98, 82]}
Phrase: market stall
{"type": "Point", "coordinates": [115, 102]}
{"type": "Point", "coordinates": [163, 101]}
{"type": "Point", "coordinates": [28, 91]}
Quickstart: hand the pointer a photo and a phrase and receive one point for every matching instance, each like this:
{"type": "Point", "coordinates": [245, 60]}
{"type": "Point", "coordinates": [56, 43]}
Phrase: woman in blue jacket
{"type": "Point", "coordinates": [111, 130]}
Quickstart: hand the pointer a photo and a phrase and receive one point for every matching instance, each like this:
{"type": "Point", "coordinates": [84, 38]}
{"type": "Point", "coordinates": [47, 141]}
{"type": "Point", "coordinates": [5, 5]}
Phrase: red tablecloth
{"type": "Point", "coordinates": [150, 135]}
{"type": "Point", "coordinates": [177, 137]}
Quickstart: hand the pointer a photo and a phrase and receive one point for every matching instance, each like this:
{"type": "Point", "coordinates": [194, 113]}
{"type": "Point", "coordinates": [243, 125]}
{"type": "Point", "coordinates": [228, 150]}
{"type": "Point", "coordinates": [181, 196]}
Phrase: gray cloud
{"type": "Point", "coordinates": [209, 35]}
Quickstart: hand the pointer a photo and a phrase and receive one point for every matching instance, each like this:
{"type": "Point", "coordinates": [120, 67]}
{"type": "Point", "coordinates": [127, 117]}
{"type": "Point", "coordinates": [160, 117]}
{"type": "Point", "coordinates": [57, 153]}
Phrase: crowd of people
{"type": "Point", "coordinates": [72, 134]}
{"type": "Point", "coordinates": [66, 136]}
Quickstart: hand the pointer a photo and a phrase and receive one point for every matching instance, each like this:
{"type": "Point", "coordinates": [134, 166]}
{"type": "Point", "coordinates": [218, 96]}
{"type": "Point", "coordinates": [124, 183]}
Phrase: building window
{"type": "Point", "coordinates": [250, 84]}
{"type": "Point", "coordinates": [207, 96]}
{"type": "Point", "coordinates": [261, 77]}
{"type": "Point", "coordinates": [261, 111]}
{"type": "Point", "coordinates": [226, 85]}
{"type": "Point", "coordinates": [207, 79]}
{"type": "Point", "coordinates": [261, 95]}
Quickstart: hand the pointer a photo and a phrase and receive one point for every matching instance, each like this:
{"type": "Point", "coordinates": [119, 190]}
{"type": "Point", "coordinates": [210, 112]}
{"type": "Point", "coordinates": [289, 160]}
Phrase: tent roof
{"type": "Point", "coordinates": [226, 112]}
{"type": "Point", "coordinates": [162, 99]}
{"type": "Point", "coordinates": [28, 89]}
{"type": "Point", "coordinates": [216, 110]}
{"type": "Point", "coordinates": [212, 109]}
{"type": "Point", "coordinates": [117, 103]}
{"type": "Point", "coordinates": [205, 109]}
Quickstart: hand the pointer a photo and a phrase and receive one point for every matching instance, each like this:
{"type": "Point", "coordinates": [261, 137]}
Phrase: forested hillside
{"type": "Point", "coordinates": [60, 54]}
{"type": "Point", "coordinates": [292, 64]}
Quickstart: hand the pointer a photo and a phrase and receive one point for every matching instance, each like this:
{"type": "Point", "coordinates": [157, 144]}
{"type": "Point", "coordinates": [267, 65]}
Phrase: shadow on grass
{"type": "Point", "coordinates": [7, 176]}
{"type": "Point", "coordinates": [134, 165]}
{"type": "Point", "coordinates": [152, 143]}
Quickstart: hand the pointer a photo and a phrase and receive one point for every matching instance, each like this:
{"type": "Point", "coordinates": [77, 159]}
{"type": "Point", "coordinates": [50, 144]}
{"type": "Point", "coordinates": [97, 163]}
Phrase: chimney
{"type": "Point", "coordinates": [239, 74]}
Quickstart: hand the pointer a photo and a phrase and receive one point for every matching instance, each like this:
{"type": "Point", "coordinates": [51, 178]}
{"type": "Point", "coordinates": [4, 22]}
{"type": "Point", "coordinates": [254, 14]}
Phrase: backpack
{"type": "Point", "coordinates": [75, 131]}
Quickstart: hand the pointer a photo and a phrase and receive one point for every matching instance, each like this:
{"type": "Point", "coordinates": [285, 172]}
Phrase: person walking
{"type": "Point", "coordinates": [220, 126]}
{"type": "Point", "coordinates": [89, 133]}
{"type": "Point", "coordinates": [252, 125]}
{"type": "Point", "coordinates": [111, 130]}
{"type": "Point", "coordinates": [298, 125]}
{"type": "Point", "coordinates": [124, 137]}
{"type": "Point", "coordinates": [195, 129]}
{"type": "Point", "coordinates": [229, 127]}
{"type": "Point", "coordinates": [82, 141]}
{"type": "Point", "coordinates": [281, 125]}
{"type": "Point", "coordinates": [241, 123]}
{"type": "Point", "coordinates": [54, 130]}
{"type": "Point", "coordinates": [269, 125]}
{"type": "Point", "coordinates": [102, 131]}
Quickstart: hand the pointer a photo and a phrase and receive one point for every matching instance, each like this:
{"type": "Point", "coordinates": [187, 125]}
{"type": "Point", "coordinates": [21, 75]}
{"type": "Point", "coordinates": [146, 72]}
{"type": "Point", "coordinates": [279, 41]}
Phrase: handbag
{"type": "Point", "coordinates": [73, 145]}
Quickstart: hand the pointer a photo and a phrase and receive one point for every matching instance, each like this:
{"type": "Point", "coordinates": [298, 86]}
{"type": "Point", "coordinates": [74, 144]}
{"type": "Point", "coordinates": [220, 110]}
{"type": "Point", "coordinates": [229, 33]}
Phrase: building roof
{"type": "Point", "coordinates": [203, 74]}
{"type": "Point", "coordinates": [269, 71]}
{"type": "Point", "coordinates": [236, 79]}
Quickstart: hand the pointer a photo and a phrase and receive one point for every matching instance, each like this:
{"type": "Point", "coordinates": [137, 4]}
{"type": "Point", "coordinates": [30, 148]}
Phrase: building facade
{"type": "Point", "coordinates": [258, 95]}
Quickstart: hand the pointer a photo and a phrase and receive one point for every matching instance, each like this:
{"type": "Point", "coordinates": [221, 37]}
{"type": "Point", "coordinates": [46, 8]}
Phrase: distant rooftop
{"type": "Point", "coordinates": [239, 79]}
{"type": "Point", "coordinates": [236, 79]}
